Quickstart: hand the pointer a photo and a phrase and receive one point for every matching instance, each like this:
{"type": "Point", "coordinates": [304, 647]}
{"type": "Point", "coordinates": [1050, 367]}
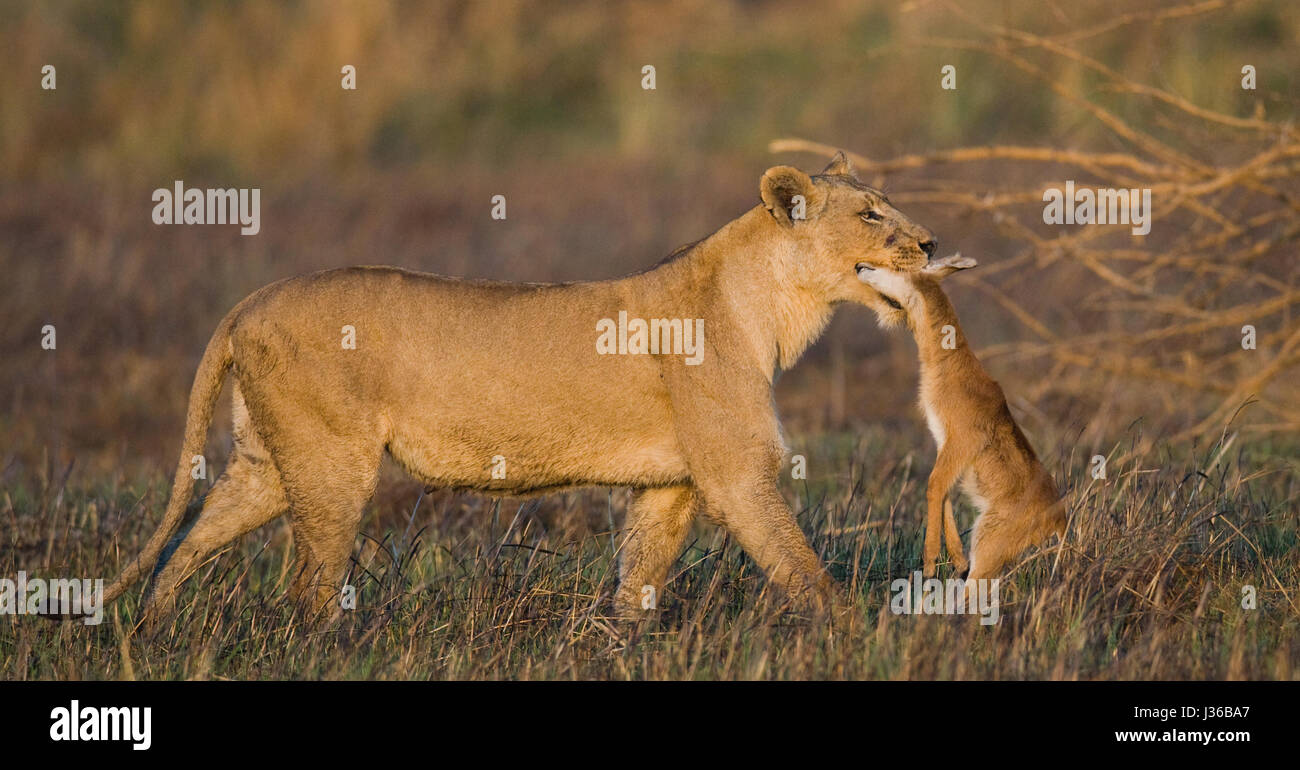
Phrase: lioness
{"type": "Point", "coordinates": [515, 389]}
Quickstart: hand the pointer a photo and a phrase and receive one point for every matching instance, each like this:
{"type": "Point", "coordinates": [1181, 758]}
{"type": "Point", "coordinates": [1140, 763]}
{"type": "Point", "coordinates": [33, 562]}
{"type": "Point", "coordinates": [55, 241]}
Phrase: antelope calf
{"type": "Point", "coordinates": [979, 442]}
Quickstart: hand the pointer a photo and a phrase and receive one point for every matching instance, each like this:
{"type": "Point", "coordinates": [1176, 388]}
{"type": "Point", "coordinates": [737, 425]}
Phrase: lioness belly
{"type": "Point", "coordinates": [520, 466]}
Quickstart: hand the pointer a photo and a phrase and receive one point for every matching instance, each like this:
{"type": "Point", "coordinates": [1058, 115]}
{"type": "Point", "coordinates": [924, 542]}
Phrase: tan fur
{"type": "Point", "coordinates": [448, 374]}
{"type": "Point", "coordinates": [979, 441]}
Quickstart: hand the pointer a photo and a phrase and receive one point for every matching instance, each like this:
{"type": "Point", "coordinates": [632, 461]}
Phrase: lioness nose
{"type": "Point", "coordinates": [929, 248]}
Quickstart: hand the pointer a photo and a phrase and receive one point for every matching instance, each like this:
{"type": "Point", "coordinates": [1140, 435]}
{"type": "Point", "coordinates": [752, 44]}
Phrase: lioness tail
{"type": "Point", "coordinates": [203, 400]}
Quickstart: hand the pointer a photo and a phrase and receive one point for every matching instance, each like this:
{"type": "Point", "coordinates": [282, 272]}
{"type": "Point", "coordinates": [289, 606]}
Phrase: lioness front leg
{"type": "Point", "coordinates": [734, 450]}
{"type": "Point", "coordinates": [756, 514]}
{"type": "Point", "coordinates": [657, 522]}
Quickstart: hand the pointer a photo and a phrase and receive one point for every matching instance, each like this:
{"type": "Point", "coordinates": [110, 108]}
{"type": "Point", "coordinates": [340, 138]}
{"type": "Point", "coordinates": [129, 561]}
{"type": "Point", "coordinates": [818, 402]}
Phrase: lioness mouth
{"type": "Point", "coordinates": [861, 268]}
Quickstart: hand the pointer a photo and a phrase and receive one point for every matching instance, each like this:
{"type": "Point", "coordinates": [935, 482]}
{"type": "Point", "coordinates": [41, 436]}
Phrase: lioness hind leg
{"type": "Point", "coordinates": [657, 523]}
{"type": "Point", "coordinates": [323, 546]}
{"type": "Point", "coordinates": [326, 508]}
{"type": "Point", "coordinates": [247, 495]}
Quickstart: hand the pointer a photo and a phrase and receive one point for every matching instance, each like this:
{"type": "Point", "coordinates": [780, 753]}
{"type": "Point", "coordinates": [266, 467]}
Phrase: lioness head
{"type": "Point", "coordinates": [841, 227]}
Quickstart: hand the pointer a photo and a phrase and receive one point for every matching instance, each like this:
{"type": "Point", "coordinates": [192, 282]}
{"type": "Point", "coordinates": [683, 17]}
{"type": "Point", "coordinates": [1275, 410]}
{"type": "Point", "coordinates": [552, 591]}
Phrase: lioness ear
{"type": "Point", "coordinates": [788, 194]}
{"type": "Point", "coordinates": [941, 267]}
{"type": "Point", "coordinates": [841, 166]}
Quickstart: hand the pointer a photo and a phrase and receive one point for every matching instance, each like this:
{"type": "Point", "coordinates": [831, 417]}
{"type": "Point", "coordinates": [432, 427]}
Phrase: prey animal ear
{"type": "Point", "coordinates": [841, 165]}
{"type": "Point", "coordinates": [941, 267]}
{"type": "Point", "coordinates": [789, 195]}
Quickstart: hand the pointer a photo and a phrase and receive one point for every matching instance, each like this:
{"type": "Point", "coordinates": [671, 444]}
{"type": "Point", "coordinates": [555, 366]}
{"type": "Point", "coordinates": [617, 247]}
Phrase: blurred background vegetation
{"type": "Point", "coordinates": [541, 102]}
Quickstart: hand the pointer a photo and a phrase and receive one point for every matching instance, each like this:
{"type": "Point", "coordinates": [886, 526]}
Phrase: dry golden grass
{"type": "Point", "coordinates": [1148, 585]}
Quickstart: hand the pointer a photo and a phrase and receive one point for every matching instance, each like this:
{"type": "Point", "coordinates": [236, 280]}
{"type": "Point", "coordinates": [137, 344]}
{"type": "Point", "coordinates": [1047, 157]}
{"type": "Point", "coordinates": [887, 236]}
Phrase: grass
{"type": "Point", "coordinates": [1149, 583]}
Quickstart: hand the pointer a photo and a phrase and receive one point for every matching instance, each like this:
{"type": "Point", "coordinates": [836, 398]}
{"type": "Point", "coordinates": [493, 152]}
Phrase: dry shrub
{"type": "Point", "coordinates": [1105, 315]}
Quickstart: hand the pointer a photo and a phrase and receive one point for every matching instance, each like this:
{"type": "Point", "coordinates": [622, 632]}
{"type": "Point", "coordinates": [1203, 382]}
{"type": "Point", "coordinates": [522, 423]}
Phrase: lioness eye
{"type": "Point", "coordinates": [871, 216]}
